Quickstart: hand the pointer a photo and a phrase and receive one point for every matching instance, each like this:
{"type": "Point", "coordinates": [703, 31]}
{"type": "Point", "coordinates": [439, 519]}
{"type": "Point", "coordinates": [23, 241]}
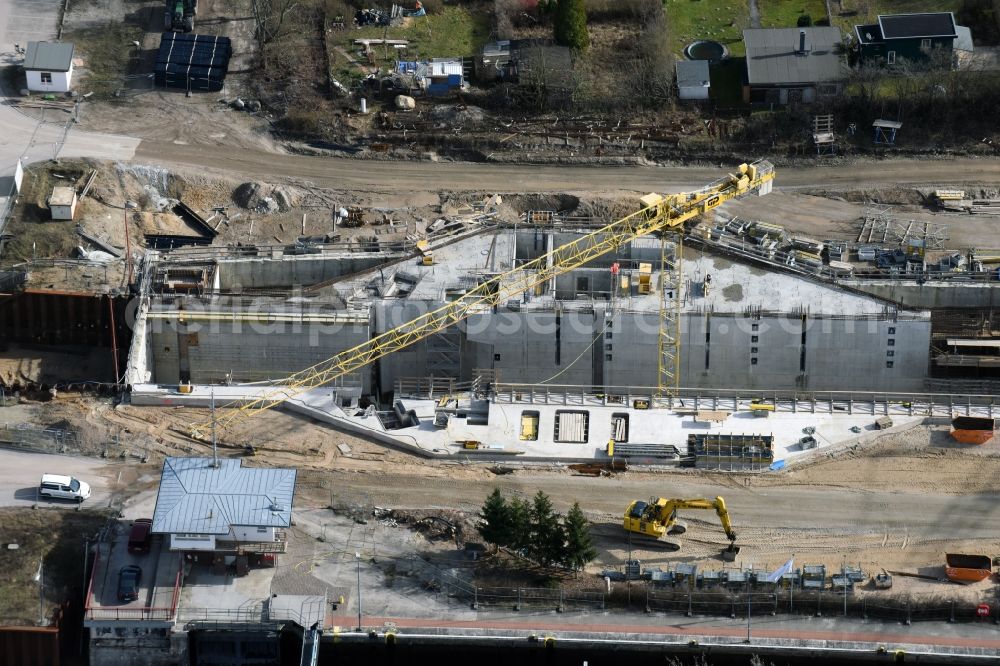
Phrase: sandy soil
{"type": "Point", "coordinates": [900, 503]}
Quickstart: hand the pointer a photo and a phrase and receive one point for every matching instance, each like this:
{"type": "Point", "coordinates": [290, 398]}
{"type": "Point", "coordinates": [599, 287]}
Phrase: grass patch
{"type": "Point", "coordinates": [107, 52]}
{"type": "Point", "coordinates": [54, 537]}
{"type": "Point", "coordinates": [452, 32]}
{"type": "Point", "coordinates": [856, 12]}
{"type": "Point", "coordinates": [786, 13]}
{"type": "Point", "coordinates": [719, 20]}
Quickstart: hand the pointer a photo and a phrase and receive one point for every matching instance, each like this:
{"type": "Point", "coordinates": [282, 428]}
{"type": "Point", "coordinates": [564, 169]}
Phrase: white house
{"type": "Point", "coordinates": [62, 203]}
{"type": "Point", "coordinates": [49, 66]}
{"type": "Point", "coordinates": [224, 508]}
{"type": "Point", "coordinates": [692, 79]}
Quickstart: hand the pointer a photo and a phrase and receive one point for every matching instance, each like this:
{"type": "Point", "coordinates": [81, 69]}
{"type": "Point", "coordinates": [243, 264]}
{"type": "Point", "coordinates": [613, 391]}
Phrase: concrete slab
{"type": "Point", "coordinates": [206, 595]}
{"type": "Point", "coordinates": [502, 432]}
{"type": "Point", "coordinates": [158, 585]}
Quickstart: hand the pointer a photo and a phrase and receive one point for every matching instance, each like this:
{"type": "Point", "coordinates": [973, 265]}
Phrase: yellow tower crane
{"type": "Point", "coordinates": [658, 214]}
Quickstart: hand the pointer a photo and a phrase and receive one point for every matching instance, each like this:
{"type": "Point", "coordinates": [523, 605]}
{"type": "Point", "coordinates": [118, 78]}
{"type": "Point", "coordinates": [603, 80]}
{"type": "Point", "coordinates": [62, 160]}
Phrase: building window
{"type": "Point", "coordinates": [607, 336]}
{"type": "Point", "coordinates": [754, 327]}
{"type": "Point", "coordinates": [608, 357]}
{"type": "Point", "coordinates": [46, 77]}
{"type": "Point", "coordinates": [890, 353]}
{"type": "Point", "coordinates": [496, 357]}
{"type": "Point", "coordinates": [608, 347]}
{"type": "Point", "coordinates": [754, 338]}
{"type": "Point", "coordinates": [888, 364]}
{"type": "Point", "coordinates": [892, 330]}
{"type": "Point", "coordinates": [890, 58]}
{"type": "Point", "coordinates": [753, 360]}
{"type": "Point", "coordinates": [753, 350]}
{"type": "Point", "coordinates": [892, 342]}
{"type": "Point", "coordinates": [925, 44]}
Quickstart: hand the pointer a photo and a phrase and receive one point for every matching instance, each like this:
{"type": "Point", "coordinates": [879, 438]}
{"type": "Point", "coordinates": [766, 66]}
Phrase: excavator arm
{"type": "Point", "coordinates": [661, 213]}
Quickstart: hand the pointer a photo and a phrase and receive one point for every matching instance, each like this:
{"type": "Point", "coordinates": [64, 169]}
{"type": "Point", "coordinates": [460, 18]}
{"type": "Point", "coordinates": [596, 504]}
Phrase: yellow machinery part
{"type": "Point", "coordinates": [670, 213]}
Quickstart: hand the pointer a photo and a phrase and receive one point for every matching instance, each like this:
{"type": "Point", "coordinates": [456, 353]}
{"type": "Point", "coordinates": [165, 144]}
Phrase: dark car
{"type": "Point", "coordinates": [139, 537]}
{"type": "Point", "coordinates": [128, 582]}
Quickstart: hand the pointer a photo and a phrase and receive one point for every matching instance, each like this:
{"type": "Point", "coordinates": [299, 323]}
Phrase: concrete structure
{"type": "Point", "coordinates": [48, 66]}
{"type": "Point", "coordinates": [907, 37]}
{"type": "Point", "coordinates": [790, 65]}
{"type": "Point", "coordinates": [62, 203]}
{"type": "Point", "coordinates": [741, 326]}
{"type": "Point", "coordinates": [693, 81]}
{"type": "Point", "coordinates": [223, 507]}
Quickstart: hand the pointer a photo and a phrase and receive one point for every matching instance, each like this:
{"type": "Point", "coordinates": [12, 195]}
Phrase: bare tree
{"type": "Point", "coordinates": [269, 17]}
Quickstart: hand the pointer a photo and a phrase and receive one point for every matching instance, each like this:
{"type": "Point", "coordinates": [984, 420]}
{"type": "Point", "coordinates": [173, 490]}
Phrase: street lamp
{"type": "Point", "coordinates": [129, 205]}
{"type": "Point", "coordinates": [357, 558]}
{"type": "Point", "coordinates": [41, 594]}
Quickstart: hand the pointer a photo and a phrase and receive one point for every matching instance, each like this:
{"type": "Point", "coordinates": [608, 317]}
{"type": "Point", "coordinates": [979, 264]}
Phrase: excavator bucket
{"type": "Point", "coordinates": [729, 554]}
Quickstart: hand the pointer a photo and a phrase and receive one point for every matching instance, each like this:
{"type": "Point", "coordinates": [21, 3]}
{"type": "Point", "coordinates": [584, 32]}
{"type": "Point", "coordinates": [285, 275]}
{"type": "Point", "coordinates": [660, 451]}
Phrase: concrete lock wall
{"type": "Point", "coordinates": [950, 294]}
{"type": "Point", "coordinates": [716, 351]}
{"type": "Point", "coordinates": [251, 352]}
{"type": "Point", "coordinates": [284, 271]}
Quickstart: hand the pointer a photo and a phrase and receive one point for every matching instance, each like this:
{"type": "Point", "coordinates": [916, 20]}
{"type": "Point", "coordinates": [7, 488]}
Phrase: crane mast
{"type": "Point", "coordinates": [659, 214]}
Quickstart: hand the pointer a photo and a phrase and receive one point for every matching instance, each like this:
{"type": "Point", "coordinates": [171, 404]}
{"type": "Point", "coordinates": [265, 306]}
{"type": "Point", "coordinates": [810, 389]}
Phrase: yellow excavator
{"type": "Point", "coordinates": [658, 517]}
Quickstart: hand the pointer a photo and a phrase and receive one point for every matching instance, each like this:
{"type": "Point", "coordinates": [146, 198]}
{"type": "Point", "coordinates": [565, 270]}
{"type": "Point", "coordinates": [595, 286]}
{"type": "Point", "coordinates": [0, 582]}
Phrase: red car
{"type": "Point", "coordinates": [140, 536]}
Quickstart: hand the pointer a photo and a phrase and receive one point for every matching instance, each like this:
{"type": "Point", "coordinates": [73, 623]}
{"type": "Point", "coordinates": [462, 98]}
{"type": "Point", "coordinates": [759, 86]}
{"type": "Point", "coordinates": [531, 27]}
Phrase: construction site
{"type": "Point", "coordinates": [328, 382]}
{"type": "Point", "coordinates": [407, 353]}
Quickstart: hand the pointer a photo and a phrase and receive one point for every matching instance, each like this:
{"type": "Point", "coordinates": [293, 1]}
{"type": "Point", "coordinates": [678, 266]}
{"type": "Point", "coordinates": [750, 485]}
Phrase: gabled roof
{"type": "Point", "coordinates": [197, 498]}
{"type": "Point", "coordinates": [692, 74]}
{"type": "Point", "coordinates": [773, 56]}
{"type": "Point", "coordinates": [869, 34]}
{"type": "Point", "coordinates": [906, 26]}
{"type": "Point", "coordinates": [49, 56]}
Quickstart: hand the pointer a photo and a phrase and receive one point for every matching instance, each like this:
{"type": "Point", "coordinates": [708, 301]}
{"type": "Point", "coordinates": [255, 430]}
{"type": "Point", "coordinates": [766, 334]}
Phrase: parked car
{"type": "Point", "coordinates": [140, 536]}
{"type": "Point", "coordinates": [128, 582]}
{"type": "Point", "coordinates": [63, 487]}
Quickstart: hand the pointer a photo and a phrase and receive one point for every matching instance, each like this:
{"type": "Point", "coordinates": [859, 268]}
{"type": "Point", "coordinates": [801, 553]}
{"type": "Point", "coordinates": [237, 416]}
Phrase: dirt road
{"type": "Point", "coordinates": [342, 173]}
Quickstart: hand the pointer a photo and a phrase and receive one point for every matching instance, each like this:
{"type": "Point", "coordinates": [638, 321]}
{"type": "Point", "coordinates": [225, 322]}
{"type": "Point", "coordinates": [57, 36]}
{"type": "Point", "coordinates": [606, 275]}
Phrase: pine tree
{"type": "Point", "coordinates": [495, 527]}
{"type": "Point", "coordinates": [520, 524]}
{"type": "Point", "coordinates": [570, 24]}
{"type": "Point", "coordinates": [579, 547]}
{"type": "Point", "coordinates": [547, 536]}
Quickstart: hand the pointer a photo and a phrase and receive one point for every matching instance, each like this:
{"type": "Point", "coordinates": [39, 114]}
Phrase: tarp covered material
{"type": "Point", "coordinates": [785, 568]}
{"type": "Point", "coordinates": [192, 62]}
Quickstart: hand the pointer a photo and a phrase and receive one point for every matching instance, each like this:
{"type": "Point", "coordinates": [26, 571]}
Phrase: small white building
{"type": "Point", "coordinates": [62, 203]}
{"type": "Point", "coordinates": [226, 509]}
{"type": "Point", "coordinates": [692, 79]}
{"type": "Point", "coordinates": [49, 66]}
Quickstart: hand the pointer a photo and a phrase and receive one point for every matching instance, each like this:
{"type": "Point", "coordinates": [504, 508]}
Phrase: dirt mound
{"type": "Point", "coordinates": [563, 203]}
{"type": "Point", "coordinates": [265, 198]}
{"type": "Point", "coordinates": [456, 114]}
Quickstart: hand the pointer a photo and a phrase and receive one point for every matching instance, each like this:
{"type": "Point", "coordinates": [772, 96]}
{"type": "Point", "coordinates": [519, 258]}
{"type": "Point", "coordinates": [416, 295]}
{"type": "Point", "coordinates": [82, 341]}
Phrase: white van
{"type": "Point", "coordinates": [63, 487]}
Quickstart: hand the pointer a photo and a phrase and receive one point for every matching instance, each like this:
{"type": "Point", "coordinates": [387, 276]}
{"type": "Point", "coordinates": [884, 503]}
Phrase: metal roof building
{"type": "Point", "coordinates": [49, 56]}
{"type": "Point", "coordinates": [197, 498]}
{"type": "Point", "coordinates": [793, 56]}
{"type": "Point", "coordinates": [693, 79]}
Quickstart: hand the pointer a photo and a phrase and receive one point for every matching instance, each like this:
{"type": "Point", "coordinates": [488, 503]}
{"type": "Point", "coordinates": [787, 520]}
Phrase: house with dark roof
{"type": "Point", "coordinates": [910, 37]}
{"type": "Point", "coordinates": [793, 65]}
{"type": "Point", "coordinates": [223, 507]}
{"type": "Point", "coordinates": [48, 66]}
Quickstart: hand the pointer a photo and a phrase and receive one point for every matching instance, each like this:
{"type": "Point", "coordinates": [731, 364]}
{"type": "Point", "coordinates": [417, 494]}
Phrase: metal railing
{"type": "Point", "coordinates": [883, 403]}
{"type": "Point", "coordinates": [738, 602]}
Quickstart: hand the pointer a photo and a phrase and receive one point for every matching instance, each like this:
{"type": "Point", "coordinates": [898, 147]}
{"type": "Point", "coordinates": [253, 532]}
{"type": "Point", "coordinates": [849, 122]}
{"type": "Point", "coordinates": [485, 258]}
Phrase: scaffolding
{"type": "Point", "coordinates": [668, 342]}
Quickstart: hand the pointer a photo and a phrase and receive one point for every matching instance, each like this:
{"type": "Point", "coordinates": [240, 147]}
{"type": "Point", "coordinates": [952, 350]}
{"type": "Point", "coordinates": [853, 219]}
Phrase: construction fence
{"type": "Point", "coordinates": [904, 609]}
{"type": "Point", "coordinates": [41, 439]}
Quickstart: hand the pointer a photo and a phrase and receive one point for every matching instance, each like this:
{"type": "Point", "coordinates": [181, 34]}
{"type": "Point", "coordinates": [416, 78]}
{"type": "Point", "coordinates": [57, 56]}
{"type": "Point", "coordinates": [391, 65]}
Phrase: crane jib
{"type": "Point", "coordinates": [666, 212]}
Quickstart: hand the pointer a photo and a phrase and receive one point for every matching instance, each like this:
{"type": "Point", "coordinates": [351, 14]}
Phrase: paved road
{"type": "Point", "coordinates": [20, 472]}
{"type": "Point", "coordinates": [22, 135]}
{"type": "Point", "coordinates": [763, 630]}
